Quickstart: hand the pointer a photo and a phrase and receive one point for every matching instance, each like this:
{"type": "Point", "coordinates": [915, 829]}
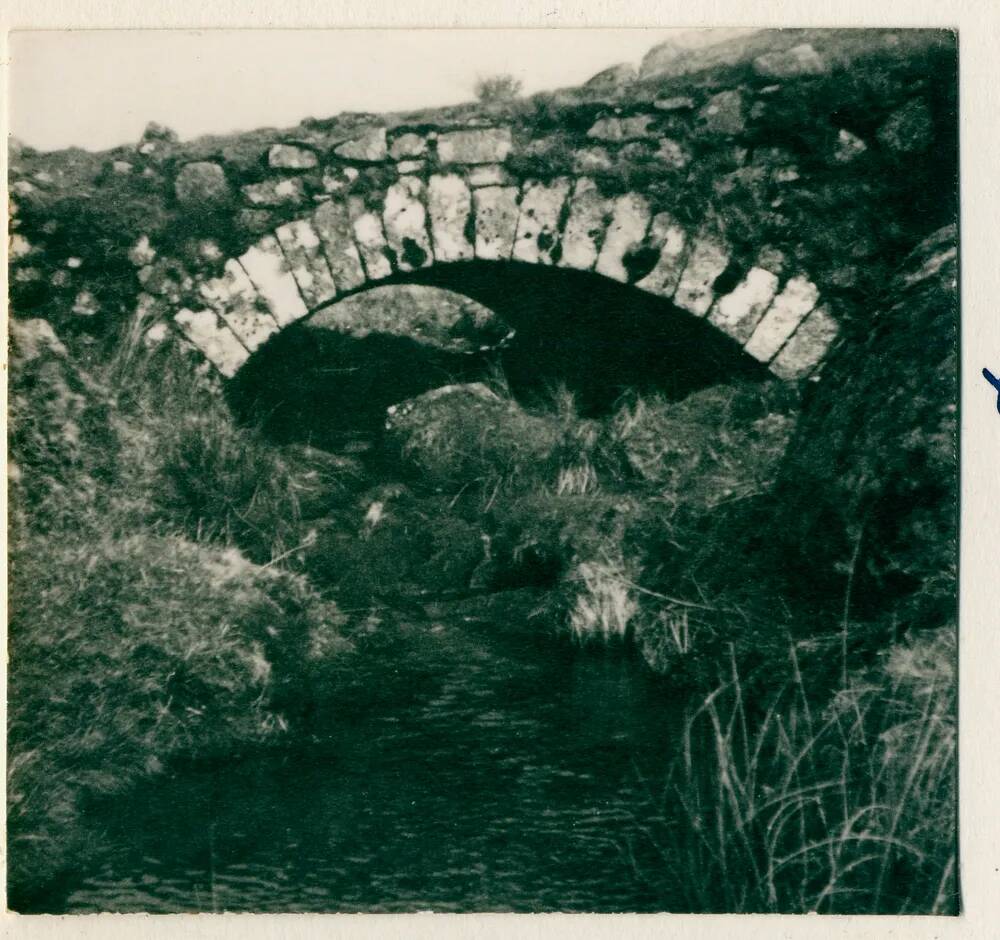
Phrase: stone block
{"type": "Point", "coordinates": [481, 145]}
{"type": "Point", "coordinates": [269, 272]}
{"type": "Point", "coordinates": [214, 339]}
{"type": "Point", "coordinates": [695, 291]}
{"type": "Point", "coordinates": [538, 224]}
{"type": "Point", "coordinates": [672, 154]}
{"type": "Point", "coordinates": [723, 113]}
{"type": "Point", "coordinates": [407, 167]}
{"type": "Point", "coordinates": [807, 346]}
{"type": "Point", "coordinates": [369, 147]}
{"type": "Point", "coordinates": [369, 236]}
{"type": "Point", "coordinates": [290, 157]}
{"type": "Point", "coordinates": [585, 226]}
{"type": "Point", "coordinates": [275, 192]}
{"type": "Point", "coordinates": [910, 129]}
{"type": "Point", "coordinates": [739, 312]}
{"type": "Point", "coordinates": [799, 60]}
{"type": "Point", "coordinates": [332, 223]}
{"type": "Point", "coordinates": [234, 298]}
{"type": "Point", "coordinates": [676, 103]}
{"type": "Point", "coordinates": [201, 183]}
{"type": "Point", "coordinates": [788, 310]}
{"type": "Point", "coordinates": [488, 174]}
{"type": "Point", "coordinates": [667, 236]}
{"type": "Point", "coordinates": [636, 127]}
{"type": "Point", "coordinates": [304, 254]}
{"type": "Point", "coordinates": [660, 58]}
{"type": "Point", "coordinates": [408, 146]}
{"type": "Point", "coordinates": [405, 220]}
{"type": "Point", "coordinates": [848, 147]}
{"type": "Point", "coordinates": [613, 77]}
{"type": "Point", "coordinates": [592, 160]}
{"type": "Point", "coordinates": [630, 217]}
{"type": "Point", "coordinates": [449, 204]}
{"type": "Point", "coordinates": [496, 221]}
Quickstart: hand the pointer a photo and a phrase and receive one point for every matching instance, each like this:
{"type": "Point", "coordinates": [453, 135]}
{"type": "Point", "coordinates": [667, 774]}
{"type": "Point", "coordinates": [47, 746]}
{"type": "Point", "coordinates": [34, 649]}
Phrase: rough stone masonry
{"type": "Point", "coordinates": [454, 197]}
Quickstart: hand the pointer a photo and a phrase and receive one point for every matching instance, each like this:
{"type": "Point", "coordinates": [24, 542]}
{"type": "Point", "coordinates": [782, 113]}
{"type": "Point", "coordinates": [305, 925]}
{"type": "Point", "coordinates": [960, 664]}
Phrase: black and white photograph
{"type": "Point", "coordinates": [483, 470]}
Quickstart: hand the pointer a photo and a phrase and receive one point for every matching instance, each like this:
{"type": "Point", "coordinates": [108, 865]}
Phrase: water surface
{"type": "Point", "coordinates": [471, 767]}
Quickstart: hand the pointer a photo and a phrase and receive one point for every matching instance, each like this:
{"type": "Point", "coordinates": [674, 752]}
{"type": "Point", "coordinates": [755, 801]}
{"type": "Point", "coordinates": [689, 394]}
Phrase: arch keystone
{"type": "Point", "coordinates": [369, 235]}
{"type": "Point", "coordinates": [626, 231]}
{"type": "Point", "coordinates": [405, 219]}
{"type": "Point", "coordinates": [449, 203]}
{"type": "Point", "coordinates": [496, 221]}
{"type": "Point", "coordinates": [538, 223]}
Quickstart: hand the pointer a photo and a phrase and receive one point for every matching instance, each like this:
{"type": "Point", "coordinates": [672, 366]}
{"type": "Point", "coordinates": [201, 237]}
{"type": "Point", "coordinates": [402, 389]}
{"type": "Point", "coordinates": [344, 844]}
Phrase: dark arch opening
{"type": "Point", "coordinates": [596, 336]}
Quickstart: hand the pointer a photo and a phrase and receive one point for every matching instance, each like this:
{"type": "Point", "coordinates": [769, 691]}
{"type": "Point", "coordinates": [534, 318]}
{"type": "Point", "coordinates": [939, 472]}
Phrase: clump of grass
{"type": "Point", "coordinates": [126, 652]}
{"type": "Point", "coordinates": [196, 470]}
{"type": "Point", "coordinates": [139, 631]}
{"type": "Point", "coordinates": [605, 603]}
{"type": "Point", "coordinates": [792, 805]}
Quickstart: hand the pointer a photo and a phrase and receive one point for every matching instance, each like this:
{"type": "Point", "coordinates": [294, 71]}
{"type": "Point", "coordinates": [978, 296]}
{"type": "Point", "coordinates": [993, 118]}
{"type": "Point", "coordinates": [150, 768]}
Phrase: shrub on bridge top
{"type": "Point", "coordinates": [493, 88]}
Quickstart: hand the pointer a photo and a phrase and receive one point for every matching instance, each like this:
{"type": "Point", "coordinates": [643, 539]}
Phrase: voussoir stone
{"type": "Point", "coordinates": [213, 337]}
{"type": "Point", "coordinates": [630, 217]}
{"type": "Point", "coordinates": [369, 236]}
{"type": "Point", "coordinates": [201, 183]}
{"type": "Point", "coordinates": [496, 221]}
{"type": "Point", "coordinates": [480, 145]}
{"type": "Point", "coordinates": [587, 222]}
{"type": "Point", "coordinates": [789, 309]}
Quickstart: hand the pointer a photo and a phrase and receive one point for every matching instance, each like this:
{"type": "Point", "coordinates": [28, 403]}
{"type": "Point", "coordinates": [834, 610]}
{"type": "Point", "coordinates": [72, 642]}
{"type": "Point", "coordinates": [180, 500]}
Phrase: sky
{"type": "Point", "coordinates": [98, 89]}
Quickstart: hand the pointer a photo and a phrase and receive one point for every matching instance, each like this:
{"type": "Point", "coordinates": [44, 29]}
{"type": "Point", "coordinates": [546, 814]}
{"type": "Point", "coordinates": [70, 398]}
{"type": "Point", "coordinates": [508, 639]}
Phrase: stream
{"type": "Point", "coordinates": [472, 766]}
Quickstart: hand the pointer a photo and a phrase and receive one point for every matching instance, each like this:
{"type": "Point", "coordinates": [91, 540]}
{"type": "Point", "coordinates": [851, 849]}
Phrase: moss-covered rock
{"type": "Point", "coordinates": [868, 494]}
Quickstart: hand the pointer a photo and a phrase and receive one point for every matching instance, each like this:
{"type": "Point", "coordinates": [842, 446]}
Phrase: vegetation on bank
{"type": "Point", "coordinates": [139, 630]}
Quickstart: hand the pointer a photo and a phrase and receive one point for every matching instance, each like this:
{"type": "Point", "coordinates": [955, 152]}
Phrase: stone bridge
{"type": "Point", "coordinates": [459, 195]}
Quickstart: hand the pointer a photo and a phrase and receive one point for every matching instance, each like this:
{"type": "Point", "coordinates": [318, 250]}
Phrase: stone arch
{"type": "Point", "coordinates": [465, 214]}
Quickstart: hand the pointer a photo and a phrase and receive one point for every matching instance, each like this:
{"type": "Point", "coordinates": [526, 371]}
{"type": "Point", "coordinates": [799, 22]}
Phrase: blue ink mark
{"type": "Point", "coordinates": [995, 382]}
